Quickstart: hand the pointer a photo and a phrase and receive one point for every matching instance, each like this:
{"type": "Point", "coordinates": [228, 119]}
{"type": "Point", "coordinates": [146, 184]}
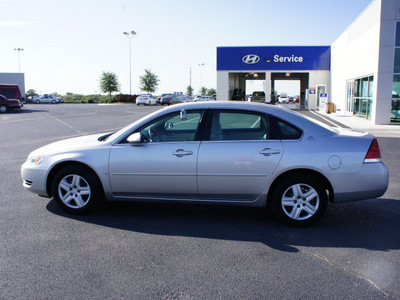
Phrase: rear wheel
{"type": "Point", "coordinates": [76, 190]}
{"type": "Point", "coordinates": [299, 200]}
{"type": "Point", "coordinates": [3, 109]}
{"type": "Point", "coordinates": [37, 101]}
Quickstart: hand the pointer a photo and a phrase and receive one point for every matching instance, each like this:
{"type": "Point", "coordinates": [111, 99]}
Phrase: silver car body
{"type": "Point", "coordinates": [232, 171]}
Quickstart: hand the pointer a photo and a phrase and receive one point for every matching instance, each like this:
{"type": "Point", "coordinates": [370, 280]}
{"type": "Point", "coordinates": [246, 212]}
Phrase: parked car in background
{"type": "Point", "coordinates": [283, 98]}
{"type": "Point", "coordinates": [182, 99]}
{"type": "Point", "coordinates": [258, 97]}
{"type": "Point", "coordinates": [296, 99]}
{"type": "Point", "coordinates": [204, 98]}
{"type": "Point", "coordinates": [11, 92]}
{"type": "Point", "coordinates": [236, 153]}
{"type": "Point", "coordinates": [146, 99]}
{"type": "Point", "coordinates": [47, 98]}
{"type": "Point", "coordinates": [168, 99]}
{"type": "Point", "coordinates": [9, 104]}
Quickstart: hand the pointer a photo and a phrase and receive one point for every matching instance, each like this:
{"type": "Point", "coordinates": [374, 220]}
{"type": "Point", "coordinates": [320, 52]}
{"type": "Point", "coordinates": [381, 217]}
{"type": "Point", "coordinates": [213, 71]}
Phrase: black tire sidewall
{"type": "Point", "coordinates": [284, 184]}
{"type": "Point", "coordinates": [91, 179]}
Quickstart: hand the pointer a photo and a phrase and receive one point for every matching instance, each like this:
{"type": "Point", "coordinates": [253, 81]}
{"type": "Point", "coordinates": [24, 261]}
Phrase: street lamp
{"type": "Point", "coordinates": [130, 35]}
{"type": "Point", "coordinates": [19, 50]}
{"type": "Point", "coordinates": [201, 75]}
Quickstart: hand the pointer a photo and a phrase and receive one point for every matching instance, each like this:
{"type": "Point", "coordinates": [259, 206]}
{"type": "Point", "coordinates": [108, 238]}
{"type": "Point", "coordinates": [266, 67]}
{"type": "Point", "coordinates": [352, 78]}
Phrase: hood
{"type": "Point", "coordinates": [73, 144]}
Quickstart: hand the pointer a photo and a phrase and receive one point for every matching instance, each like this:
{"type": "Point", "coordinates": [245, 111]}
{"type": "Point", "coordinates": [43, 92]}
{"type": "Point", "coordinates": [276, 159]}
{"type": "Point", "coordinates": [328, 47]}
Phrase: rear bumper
{"type": "Point", "coordinates": [371, 181]}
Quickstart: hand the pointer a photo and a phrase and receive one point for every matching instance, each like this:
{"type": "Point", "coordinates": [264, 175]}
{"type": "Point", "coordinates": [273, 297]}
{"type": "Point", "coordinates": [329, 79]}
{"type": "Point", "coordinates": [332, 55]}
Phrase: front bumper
{"type": "Point", "coordinates": [34, 179]}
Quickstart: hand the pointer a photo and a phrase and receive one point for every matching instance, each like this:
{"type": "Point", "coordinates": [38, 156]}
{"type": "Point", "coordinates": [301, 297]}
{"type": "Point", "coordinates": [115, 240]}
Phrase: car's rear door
{"type": "Point", "coordinates": [238, 159]}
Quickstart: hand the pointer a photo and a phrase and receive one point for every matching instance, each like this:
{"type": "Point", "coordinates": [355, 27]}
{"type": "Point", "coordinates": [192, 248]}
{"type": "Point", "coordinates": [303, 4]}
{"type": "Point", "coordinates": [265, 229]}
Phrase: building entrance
{"type": "Point", "coordinates": [302, 77]}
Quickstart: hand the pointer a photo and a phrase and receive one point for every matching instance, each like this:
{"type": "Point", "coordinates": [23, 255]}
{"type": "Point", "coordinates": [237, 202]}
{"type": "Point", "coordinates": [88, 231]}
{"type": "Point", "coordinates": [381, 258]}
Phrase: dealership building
{"type": "Point", "coordinates": [359, 73]}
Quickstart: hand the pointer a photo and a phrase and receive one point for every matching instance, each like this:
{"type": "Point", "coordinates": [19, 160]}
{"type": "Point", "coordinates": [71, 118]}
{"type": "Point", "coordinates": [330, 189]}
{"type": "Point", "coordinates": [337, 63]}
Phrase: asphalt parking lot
{"type": "Point", "coordinates": [171, 251]}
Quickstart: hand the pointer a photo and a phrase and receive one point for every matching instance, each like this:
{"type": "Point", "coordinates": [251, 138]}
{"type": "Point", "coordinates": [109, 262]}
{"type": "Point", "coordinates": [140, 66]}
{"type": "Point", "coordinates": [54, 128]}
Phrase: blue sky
{"type": "Point", "coordinates": [69, 43]}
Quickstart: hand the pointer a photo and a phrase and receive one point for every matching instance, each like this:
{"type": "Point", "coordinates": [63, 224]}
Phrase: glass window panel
{"type": "Point", "coordinates": [371, 86]}
{"type": "Point", "coordinates": [398, 34]}
{"type": "Point", "coordinates": [397, 60]}
{"type": "Point", "coordinates": [357, 88]}
{"type": "Point", "coordinates": [396, 86]}
{"type": "Point", "coordinates": [235, 126]}
{"type": "Point", "coordinates": [364, 87]}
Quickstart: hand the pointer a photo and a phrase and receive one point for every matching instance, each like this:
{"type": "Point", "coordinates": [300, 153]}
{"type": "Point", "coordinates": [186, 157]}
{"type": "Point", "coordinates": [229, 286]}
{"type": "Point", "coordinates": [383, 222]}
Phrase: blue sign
{"type": "Point", "coordinates": [323, 95]}
{"type": "Point", "coordinates": [273, 58]}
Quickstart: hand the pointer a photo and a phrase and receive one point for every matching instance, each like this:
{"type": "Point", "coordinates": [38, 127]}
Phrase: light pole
{"type": "Point", "coordinates": [19, 50]}
{"type": "Point", "coordinates": [130, 35]}
{"type": "Point", "coordinates": [201, 76]}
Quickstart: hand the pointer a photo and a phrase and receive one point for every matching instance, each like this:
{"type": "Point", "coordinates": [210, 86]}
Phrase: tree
{"type": "Point", "coordinates": [55, 94]}
{"type": "Point", "coordinates": [108, 83]}
{"type": "Point", "coordinates": [211, 92]}
{"type": "Point", "coordinates": [203, 90]}
{"type": "Point", "coordinates": [149, 82]}
{"type": "Point", "coordinates": [189, 91]}
{"type": "Point", "coordinates": [31, 93]}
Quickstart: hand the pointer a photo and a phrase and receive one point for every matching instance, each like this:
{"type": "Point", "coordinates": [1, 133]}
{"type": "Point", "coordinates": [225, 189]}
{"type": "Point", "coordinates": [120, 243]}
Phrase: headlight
{"type": "Point", "coordinates": [35, 159]}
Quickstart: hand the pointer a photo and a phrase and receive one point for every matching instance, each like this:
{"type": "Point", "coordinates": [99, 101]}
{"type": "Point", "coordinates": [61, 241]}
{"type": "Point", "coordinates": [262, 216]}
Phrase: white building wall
{"type": "Point", "coordinates": [355, 53]}
{"type": "Point", "coordinates": [222, 85]}
{"type": "Point", "coordinates": [386, 60]}
{"type": "Point", "coordinates": [318, 78]}
{"type": "Point", "coordinates": [367, 48]}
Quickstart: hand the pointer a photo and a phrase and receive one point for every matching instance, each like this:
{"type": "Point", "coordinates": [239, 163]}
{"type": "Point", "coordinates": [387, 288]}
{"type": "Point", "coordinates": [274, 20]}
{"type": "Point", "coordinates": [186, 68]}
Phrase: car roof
{"type": "Point", "coordinates": [309, 126]}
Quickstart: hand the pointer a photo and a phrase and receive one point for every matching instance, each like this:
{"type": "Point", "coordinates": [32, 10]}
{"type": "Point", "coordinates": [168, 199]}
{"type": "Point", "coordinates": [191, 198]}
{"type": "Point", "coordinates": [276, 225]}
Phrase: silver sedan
{"type": "Point", "coordinates": [214, 152]}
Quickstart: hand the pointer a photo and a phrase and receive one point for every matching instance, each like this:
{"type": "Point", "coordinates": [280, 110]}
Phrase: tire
{"type": "Point", "coordinates": [53, 102]}
{"type": "Point", "coordinates": [76, 190]}
{"type": "Point", "coordinates": [299, 200]}
{"type": "Point", "coordinates": [3, 109]}
{"type": "Point", "coordinates": [37, 101]}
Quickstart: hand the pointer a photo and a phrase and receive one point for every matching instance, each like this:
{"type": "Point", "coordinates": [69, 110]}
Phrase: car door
{"type": "Point", "coordinates": [164, 164]}
{"type": "Point", "coordinates": [239, 158]}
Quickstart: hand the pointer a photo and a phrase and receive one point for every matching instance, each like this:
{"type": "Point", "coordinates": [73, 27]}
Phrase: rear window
{"type": "Point", "coordinates": [8, 93]}
{"type": "Point", "coordinates": [282, 130]}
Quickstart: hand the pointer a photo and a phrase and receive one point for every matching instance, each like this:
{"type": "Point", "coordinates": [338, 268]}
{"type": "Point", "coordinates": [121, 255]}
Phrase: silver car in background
{"type": "Point", "coordinates": [214, 152]}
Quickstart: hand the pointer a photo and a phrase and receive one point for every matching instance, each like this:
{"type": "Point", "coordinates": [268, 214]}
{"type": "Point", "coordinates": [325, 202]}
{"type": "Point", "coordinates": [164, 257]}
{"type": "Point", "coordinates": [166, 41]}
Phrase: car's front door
{"type": "Point", "coordinates": [238, 159]}
{"type": "Point", "coordinates": [164, 164]}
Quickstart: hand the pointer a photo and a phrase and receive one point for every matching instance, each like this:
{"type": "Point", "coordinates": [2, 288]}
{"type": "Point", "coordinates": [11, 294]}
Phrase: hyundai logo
{"type": "Point", "coordinates": [251, 59]}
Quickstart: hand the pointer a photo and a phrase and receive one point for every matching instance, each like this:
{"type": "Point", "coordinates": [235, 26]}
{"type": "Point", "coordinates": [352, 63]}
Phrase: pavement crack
{"type": "Point", "coordinates": [340, 267]}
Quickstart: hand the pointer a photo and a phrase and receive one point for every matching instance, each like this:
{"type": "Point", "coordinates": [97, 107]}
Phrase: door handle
{"type": "Point", "coordinates": [181, 152]}
{"type": "Point", "coordinates": [267, 151]}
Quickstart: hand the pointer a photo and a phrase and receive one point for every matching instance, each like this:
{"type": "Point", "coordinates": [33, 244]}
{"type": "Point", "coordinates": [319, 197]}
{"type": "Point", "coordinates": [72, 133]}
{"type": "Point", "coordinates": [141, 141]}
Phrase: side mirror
{"type": "Point", "coordinates": [135, 138]}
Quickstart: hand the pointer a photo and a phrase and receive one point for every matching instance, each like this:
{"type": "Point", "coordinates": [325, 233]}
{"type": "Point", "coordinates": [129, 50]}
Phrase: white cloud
{"type": "Point", "coordinates": [16, 23]}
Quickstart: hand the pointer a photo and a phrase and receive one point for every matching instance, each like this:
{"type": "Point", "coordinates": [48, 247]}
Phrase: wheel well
{"type": "Point", "coordinates": [303, 172]}
{"type": "Point", "coordinates": [58, 167]}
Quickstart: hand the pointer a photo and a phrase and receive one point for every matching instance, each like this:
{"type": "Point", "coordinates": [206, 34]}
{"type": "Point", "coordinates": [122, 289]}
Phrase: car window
{"type": "Point", "coordinates": [175, 127]}
{"type": "Point", "coordinates": [282, 130]}
{"type": "Point", "coordinates": [288, 131]}
{"type": "Point", "coordinates": [9, 93]}
{"type": "Point", "coordinates": [238, 125]}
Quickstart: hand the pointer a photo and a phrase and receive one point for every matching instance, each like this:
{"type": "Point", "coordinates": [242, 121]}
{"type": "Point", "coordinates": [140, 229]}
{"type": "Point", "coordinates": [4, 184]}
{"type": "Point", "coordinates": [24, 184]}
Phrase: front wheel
{"type": "Point", "coordinates": [299, 200]}
{"type": "Point", "coordinates": [76, 190]}
{"type": "Point", "coordinates": [3, 109]}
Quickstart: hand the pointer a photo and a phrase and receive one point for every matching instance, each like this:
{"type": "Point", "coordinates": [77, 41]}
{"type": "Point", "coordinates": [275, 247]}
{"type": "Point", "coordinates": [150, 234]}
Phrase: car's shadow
{"type": "Point", "coordinates": [350, 225]}
{"type": "Point", "coordinates": [26, 111]}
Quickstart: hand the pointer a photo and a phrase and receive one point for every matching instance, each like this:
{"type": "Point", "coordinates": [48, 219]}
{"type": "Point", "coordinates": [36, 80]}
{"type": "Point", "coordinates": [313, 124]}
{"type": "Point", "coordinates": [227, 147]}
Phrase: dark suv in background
{"type": "Point", "coordinates": [10, 97]}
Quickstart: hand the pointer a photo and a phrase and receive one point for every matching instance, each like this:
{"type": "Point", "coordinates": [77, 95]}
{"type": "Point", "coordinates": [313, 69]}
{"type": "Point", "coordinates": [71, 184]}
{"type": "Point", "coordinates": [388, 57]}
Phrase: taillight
{"type": "Point", "coordinates": [374, 153]}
